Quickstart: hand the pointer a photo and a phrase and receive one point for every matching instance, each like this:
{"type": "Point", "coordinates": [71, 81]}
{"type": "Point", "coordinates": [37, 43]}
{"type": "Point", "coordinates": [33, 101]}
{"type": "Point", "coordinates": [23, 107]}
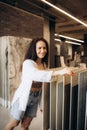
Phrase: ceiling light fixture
{"type": "Point", "coordinates": [71, 38]}
{"type": "Point", "coordinates": [75, 43]}
{"type": "Point", "coordinates": [57, 40]}
{"type": "Point", "coordinates": [64, 12]}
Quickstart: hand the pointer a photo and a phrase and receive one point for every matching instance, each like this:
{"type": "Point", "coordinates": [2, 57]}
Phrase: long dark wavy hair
{"type": "Point", "coordinates": [31, 51]}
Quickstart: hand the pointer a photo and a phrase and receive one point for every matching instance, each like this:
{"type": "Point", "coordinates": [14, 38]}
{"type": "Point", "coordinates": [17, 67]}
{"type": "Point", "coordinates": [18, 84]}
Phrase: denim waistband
{"type": "Point", "coordinates": [37, 93]}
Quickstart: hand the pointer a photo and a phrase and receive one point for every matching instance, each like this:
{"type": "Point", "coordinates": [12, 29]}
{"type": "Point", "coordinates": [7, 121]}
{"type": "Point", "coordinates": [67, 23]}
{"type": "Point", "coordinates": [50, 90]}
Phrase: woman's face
{"type": "Point", "coordinates": [41, 49]}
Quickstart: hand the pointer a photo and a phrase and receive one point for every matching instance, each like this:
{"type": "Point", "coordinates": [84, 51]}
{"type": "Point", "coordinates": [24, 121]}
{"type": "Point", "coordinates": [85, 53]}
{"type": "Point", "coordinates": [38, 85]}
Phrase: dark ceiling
{"type": "Point", "coordinates": [64, 24]}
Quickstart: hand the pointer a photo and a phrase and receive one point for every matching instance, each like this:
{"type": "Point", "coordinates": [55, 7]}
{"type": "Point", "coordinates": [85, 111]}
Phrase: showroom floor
{"type": "Point", "coordinates": [5, 117]}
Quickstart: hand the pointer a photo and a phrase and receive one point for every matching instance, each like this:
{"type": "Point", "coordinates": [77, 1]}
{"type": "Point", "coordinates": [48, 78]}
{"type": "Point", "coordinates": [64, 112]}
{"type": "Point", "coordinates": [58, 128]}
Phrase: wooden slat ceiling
{"type": "Point", "coordinates": [64, 24]}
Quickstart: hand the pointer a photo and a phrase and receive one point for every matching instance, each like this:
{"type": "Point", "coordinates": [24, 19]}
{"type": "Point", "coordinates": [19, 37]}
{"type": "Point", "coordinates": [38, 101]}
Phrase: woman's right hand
{"type": "Point", "coordinates": [68, 71]}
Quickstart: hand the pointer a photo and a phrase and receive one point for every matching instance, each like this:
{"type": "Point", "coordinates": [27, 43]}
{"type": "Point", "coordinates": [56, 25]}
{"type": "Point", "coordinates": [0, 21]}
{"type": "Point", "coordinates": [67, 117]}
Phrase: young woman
{"type": "Point", "coordinates": [27, 96]}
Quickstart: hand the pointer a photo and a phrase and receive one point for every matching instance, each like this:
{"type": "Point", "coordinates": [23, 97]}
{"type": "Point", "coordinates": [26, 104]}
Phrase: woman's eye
{"type": "Point", "coordinates": [39, 48]}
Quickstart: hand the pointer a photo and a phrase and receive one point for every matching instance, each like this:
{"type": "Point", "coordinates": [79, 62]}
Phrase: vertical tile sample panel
{"type": "Point", "coordinates": [81, 111]}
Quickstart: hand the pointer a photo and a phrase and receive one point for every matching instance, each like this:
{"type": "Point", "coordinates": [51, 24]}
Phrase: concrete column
{"type": "Point", "coordinates": [52, 43]}
{"type": "Point", "coordinates": [85, 45]}
{"type": "Point", "coordinates": [48, 33]}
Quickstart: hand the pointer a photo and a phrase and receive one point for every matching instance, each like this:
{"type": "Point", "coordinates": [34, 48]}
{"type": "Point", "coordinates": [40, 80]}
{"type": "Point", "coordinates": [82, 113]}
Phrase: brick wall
{"type": "Point", "coordinates": [16, 22]}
